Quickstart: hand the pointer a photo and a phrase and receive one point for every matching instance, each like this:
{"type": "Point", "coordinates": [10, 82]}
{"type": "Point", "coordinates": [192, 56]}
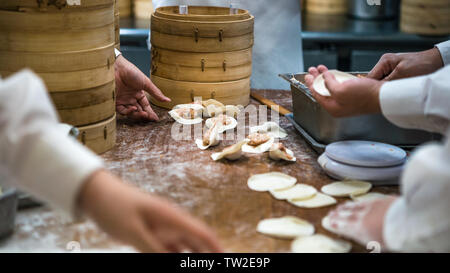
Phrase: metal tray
{"type": "Point", "coordinates": [324, 129]}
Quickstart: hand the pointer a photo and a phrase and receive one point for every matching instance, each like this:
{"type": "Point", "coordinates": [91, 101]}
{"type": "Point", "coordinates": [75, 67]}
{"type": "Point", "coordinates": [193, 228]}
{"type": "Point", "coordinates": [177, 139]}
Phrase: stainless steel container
{"type": "Point", "coordinates": [8, 209]}
{"type": "Point", "coordinates": [323, 129]}
{"type": "Point", "coordinates": [374, 9]}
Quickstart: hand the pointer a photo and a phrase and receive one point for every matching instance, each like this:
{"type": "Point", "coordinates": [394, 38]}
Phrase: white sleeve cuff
{"type": "Point", "coordinates": [63, 167]}
{"type": "Point", "coordinates": [117, 52]}
{"type": "Point", "coordinates": [444, 48]}
{"type": "Point", "coordinates": [402, 102]}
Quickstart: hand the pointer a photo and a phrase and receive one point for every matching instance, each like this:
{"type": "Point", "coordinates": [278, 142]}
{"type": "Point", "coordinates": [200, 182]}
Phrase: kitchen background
{"type": "Point", "coordinates": [349, 35]}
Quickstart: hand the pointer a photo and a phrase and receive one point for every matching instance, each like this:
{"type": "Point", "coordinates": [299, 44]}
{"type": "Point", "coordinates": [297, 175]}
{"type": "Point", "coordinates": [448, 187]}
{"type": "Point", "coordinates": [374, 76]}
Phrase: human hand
{"type": "Point", "coordinates": [350, 98]}
{"type": "Point", "coordinates": [131, 85]}
{"type": "Point", "coordinates": [145, 221]}
{"type": "Point", "coordinates": [405, 65]}
{"type": "Point", "coordinates": [361, 221]}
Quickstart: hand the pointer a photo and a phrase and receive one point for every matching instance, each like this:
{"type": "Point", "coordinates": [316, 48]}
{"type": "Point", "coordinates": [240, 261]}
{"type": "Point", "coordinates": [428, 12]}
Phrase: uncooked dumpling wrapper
{"type": "Point", "coordinates": [371, 196]}
{"type": "Point", "coordinates": [297, 192]}
{"type": "Point", "coordinates": [319, 82]}
{"type": "Point", "coordinates": [214, 139]}
{"type": "Point", "coordinates": [234, 152]}
{"type": "Point", "coordinates": [326, 224]}
{"type": "Point", "coordinates": [232, 123]}
{"type": "Point", "coordinates": [346, 188]}
{"type": "Point", "coordinates": [279, 152]}
{"type": "Point", "coordinates": [287, 227]}
{"type": "Point", "coordinates": [317, 201]}
{"type": "Point", "coordinates": [271, 128]}
{"type": "Point", "coordinates": [198, 110]}
{"type": "Point", "coordinates": [261, 148]}
{"type": "Point", "coordinates": [270, 181]}
{"type": "Point", "coordinates": [319, 244]}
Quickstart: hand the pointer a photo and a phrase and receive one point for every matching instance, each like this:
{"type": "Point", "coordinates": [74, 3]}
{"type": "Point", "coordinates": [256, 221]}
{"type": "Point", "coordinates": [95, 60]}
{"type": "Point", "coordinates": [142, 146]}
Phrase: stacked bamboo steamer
{"type": "Point", "coordinates": [124, 7]}
{"type": "Point", "coordinates": [117, 24]}
{"type": "Point", "coordinates": [71, 47]}
{"type": "Point", "coordinates": [206, 53]}
{"type": "Point", "coordinates": [327, 6]}
{"type": "Point", "coordinates": [143, 9]}
{"type": "Point", "coordinates": [425, 17]}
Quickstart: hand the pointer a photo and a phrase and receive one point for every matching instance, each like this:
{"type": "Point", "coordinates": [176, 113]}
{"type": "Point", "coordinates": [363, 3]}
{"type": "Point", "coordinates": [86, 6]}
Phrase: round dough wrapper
{"type": "Point", "coordinates": [317, 201]}
{"type": "Point", "coordinates": [319, 82]}
{"type": "Point", "coordinates": [319, 244]}
{"type": "Point", "coordinates": [262, 148]}
{"type": "Point", "coordinates": [369, 196]}
{"type": "Point", "coordinates": [287, 227]}
{"type": "Point", "coordinates": [346, 188]}
{"type": "Point", "coordinates": [270, 181]}
{"type": "Point", "coordinates": [271, 128]}
{"type": "Point", "coordinates": [297, 192]}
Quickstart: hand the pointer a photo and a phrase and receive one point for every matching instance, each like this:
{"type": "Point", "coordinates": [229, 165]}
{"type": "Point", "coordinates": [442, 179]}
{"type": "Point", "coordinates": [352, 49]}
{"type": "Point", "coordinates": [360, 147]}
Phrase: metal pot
{"type": "Point", "coordinates": [374, 9]}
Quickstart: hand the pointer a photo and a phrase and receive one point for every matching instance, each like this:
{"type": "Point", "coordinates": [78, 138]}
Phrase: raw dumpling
{"type": "Point", "coordinates": [271, 128]}
{"type": "Point", "coordinates": [210, 138]}
{"type": "Point", "coordinates": [317, 201]}
{"type": "Point", "coordinates": [287, 227]}
{"type": "Point", "coordinates": [224, 122]}
{"type": "Point", "coordinates": [234, 152]}
{"type": "Point", "coordinates": [319, 244]}
{"type": "Point", "coordinates": [233, 110]}
{"type": "Point", "coordinates": [369, 197]}
{"type": "Point", "coordinates": [278, 152]}
{"type": "Point", "coordinates": [346, 188]}
{"type": "Point", "coordinates": [187, 113]}
{"type": "Point", "coordinates": [270, 181]}
{"type": "Point", "coordinates": [258, 143]}
{"type": "Point", "coordinates": [212, 108]}
{"type": "Point", "coordinates": [319, 82]}
{"type": "Point", "coordinates": [297, 192]}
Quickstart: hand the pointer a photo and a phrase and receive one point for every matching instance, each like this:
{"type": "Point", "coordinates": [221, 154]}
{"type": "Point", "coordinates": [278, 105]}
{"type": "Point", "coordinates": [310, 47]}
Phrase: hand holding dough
{"type": "Point", "coordinates": [319, 82]}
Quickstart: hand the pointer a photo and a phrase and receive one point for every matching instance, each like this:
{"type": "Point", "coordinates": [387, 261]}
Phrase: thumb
{"type": "Point", "coordinates": [331, 83]}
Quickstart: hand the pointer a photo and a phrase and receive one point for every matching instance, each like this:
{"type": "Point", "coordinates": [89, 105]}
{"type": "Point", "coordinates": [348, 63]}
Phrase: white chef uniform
{"type": "Point", "coordinates": [34, 154]}
{"type": "Point", "coordinates": [278, 45]}
{"type": "Point", "coordinates": [419, 221]}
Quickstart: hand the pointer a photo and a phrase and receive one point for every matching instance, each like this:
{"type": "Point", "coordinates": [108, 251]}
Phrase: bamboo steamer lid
{"type": "Point", "coordinates": [99, 137]}
{"type": "Point", "coordinates": [202, 13]}
{"type": "Point", "coordinates": [230, 93]}
{"type": "Point", "coordinates": [202, 67]}
{"type": "Point", "coordinates": [143, 9]}
{"type": "Point", "coordinates": [327, 6]}
{"type": "Point", "coordinates": [425, 17]}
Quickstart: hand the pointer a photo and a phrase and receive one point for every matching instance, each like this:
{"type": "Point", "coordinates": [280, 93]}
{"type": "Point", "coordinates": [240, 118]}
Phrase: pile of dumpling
{"type": "Point", "coordinates": [222, 118]}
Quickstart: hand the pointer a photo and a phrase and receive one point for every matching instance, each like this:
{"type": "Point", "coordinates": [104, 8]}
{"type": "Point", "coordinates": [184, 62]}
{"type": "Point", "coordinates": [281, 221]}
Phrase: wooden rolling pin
{"type": "Point", "coordinates": [270, 103]}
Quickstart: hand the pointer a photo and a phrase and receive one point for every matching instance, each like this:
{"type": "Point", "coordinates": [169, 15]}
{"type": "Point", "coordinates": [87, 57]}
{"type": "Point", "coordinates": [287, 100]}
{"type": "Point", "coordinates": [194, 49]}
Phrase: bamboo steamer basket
{"type": "Point", "coordinates": [206, 53]}
{"type": "Point", "coordinates": [124, 7]}
{"type": "Point", "coordinates": [116, 25]}
{"type": "Point", "coordinates": [99, 137]}
{"type": "Point", "coordinates": [202, 67]}
{"type": "Point", "coordinates": [70, 47]}
{"type": "Point", "coordinates": [327, 6]}
{"type": "Point", "coordinates": [229, 93]}
{"type": "Point", "coordinates": [143, 9]}
{"type": "Point", "coordinates": [425, 17]}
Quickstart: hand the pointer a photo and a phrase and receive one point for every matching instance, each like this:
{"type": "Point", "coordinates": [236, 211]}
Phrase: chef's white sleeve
{"type": "Point", "coordinates": [34, 154]}
{"type": "Point", "coordinates": [419, 220]}
{"type": "Point", "coordinates": [444, 49]}
{"type": "Point", "coordinates": [418, 103]}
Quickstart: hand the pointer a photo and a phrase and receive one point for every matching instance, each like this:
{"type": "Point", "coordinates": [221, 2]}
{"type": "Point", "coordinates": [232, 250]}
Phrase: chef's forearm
{"type": "Point", "coordinates": [419, 102]}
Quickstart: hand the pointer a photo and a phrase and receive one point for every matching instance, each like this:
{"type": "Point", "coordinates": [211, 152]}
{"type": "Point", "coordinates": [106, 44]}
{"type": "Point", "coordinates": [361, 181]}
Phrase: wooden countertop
{"type": "Point", "coordinates": [216, 192]}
